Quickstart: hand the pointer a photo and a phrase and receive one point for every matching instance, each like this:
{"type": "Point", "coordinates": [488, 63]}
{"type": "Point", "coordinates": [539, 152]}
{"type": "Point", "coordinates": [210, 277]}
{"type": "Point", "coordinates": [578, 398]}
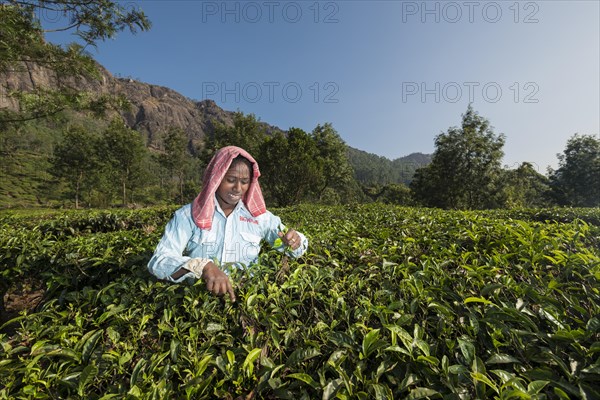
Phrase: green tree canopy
{"type": "Point", "coordinates": [290, 167]}
{"type": "Point", "coordinates": [123, 152]}
{"type": "Point", "coordinates": [336, 169]}
{"type": "Point", "coordinates": [576, 182]}
{"type": "Point", "coordinates": [525, 187]}
{"type": "Point", "coordinates": [177, 161]}
{"type": "Point", "coordinates": [75, 159]}
{"type": "Point", "coordinates": [465, 167]}
{"type": "Point", "coordinates": [296, 166]}
{"type": "Point", "coordinates": [246, 132]}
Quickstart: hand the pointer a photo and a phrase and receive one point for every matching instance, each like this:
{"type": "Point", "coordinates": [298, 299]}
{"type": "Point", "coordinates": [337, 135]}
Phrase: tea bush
{"type": "Point", "coordinates": [389, 302]}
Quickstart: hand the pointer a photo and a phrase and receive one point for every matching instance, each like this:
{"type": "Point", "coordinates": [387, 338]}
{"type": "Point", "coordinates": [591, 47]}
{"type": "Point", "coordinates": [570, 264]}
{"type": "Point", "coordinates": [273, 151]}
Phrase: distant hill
{"type": "Point", "coordinates": [370, 168]}
{"type": "Point", "coordinates": [154, 109]}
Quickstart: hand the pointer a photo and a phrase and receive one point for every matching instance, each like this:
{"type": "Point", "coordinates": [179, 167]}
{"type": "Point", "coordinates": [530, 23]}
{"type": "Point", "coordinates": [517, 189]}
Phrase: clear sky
{"type": "Point", "coordinates": [389, 75]}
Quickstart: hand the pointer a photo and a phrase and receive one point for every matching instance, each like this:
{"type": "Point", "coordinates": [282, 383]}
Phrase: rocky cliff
{"type": "Point", "coordinates": [153, 108]}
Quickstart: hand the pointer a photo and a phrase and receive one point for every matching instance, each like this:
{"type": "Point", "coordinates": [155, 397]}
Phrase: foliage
{"type": "Point", "coordinates": [465, 168]}
{"type": "Point", "coordinates": [180, 167]}
{"type": "Point", "coordinates": [75, 160]}
{"type": "Point", "coordinates": [576, 182]}
{"type": "Point", "coordinates": [295, 166]}
{"type": "Point", "coordinates": [23, 45]}
{"type": "Point", "coordinates": [246, 132]}
{"type": "Point", "coordinates": [336, 169]}
{"type": "Point", "coordinates": [291, 168]}
{"type": "Point", "coordinates": [389, 303]}
{"type": "Point", "coordinates": [525, 187]}
{"type": "Point", "coordinates": [390, 194]}
{"type": "Point", "coordinates": [372, 170]}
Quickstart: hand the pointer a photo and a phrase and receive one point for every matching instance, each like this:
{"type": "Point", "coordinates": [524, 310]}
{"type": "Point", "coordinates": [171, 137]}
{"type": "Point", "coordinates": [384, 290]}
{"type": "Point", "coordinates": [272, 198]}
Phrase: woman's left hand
{"type": "Point", "coordinates": [291, 238]}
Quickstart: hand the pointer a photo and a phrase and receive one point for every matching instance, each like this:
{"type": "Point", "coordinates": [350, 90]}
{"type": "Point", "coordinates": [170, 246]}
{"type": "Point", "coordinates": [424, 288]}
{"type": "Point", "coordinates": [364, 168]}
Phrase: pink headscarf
{"type": "Point", "coordinates": [203, 206]}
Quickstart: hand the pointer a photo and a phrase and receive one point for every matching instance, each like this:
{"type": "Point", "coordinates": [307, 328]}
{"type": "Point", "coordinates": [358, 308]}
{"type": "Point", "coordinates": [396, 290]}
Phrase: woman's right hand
{"type": "Point", "coordinates": [216, 281]}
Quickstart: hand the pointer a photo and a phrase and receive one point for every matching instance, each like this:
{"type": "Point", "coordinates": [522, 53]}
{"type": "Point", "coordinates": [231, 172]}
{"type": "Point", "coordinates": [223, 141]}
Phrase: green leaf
{"type": "Point", "coordinates": [404, 336]}
{"type": "Point", "coordinates": [331, 388]}
{"type": "Point", "coordinates": [491, 288]}
{"type": "Point", "coordinates": [213, 328]}
{"type": "Point", "coordinates": [301, 355]}
{"type": "Point", "coordinates": [561, 394]}
{"type": "Point", "coordinates": [230, 357]}
{"type": "Point", "coordinates": [113, 310]}
{"type": "Point", "coordinates": [429, 360]}
{"type": "Point", "coordinates": [201, 367]}
{"type": "Point", "coordinates": [136, 372]}
{"type": "Point", "coordinates": [423, 346]}
{"type": "Point", "coordinates": [336, 358]}
{"type": "Point", "coordinates": [478, 376]}
{"type": "Point", "coordinates": [506, 377]}
{"type": "Point", "coordinates": [371, 343]}
{"type": "Point", "coordinates": [457, 369]}
{"type": "Point", "coordinates": [501, 359]}
{"type": "Point", "coordinates": [87, 375]}
{"type": "Point", "coordinates": [477, 300]}
{"type": "Point", "coordinates": [341, 339]}
{"type": "Point", "coordinates": [467, 348]}
{"type": "Point", "coordinates": [536, 386]}
{"type": "Point", "coordinates": [252, 356]}
{"type": "Point", "coordinates": [306, 379]}
{"type": "Point", "coordinates": [174, 350]}
{"type": "Point", "coordinates": [382, 392]}
{"type": "Point", "coordinates": [593, 325]}
{"type": "Point", "coordinates": [422, 393]}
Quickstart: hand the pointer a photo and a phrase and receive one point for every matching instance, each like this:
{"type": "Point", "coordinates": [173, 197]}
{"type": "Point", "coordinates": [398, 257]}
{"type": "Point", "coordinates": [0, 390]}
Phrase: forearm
{"type": "Point", "coordinates": [180, 273]}
{"type": "Point", "coordinates": [168, 267]}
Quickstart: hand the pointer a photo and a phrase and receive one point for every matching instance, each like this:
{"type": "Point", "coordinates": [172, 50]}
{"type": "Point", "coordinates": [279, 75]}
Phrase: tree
{"type": "Point", "coordinates": [22, 45]}
{"type": "Point", "coordinates": [123, 151]}
{"type": "Point", "coordinates": [246, 132]}
{"type": "Point", "coordinates": [465, 167]}
{"type": "Point", "coordinates": [333, 155]}
{"type": "Point", "coordinates": [290, 167]}
{"type": "Point", "coordinates": [176, 159]}
{"type": "Point", "coordinates": [576, 182]}
{"type": "Point", "coordinates": [74, 159]}
{"type": "Point", "coordinates": [524, 187]}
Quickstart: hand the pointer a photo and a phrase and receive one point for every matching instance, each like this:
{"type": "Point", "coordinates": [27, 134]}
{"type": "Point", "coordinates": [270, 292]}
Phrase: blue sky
{"type": "Point", "coordinates": [389, 75]}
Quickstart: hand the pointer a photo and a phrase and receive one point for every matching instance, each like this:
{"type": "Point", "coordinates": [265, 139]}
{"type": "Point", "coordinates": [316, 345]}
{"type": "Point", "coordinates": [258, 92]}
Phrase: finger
{"type": "Point", "coordinates": [231, 292]}
{"type": "Point", "coordinates": [210, 284]}
{"type": "Point", "coordinates": [290, 234]}
{"type": "Point", "coordinates": [221, 289]}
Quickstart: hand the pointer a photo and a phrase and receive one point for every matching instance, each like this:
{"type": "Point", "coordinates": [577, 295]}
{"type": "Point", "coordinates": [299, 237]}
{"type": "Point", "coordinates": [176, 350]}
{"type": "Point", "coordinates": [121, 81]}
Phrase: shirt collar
{"type": "Point", "coordinates": [239, 206]}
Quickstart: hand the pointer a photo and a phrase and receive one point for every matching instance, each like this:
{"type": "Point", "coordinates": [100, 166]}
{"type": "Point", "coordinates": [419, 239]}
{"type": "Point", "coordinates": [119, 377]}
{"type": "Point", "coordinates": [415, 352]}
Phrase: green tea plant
{"type": "Point", "coordinates": [388, 303]}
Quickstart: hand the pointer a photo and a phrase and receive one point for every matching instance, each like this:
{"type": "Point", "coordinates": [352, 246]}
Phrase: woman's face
{"type": "Point", "coordinates": [234, 185]}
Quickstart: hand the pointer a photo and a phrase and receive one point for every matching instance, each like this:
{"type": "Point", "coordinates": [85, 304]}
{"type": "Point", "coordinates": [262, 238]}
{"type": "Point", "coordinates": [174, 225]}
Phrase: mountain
{"type": "Point", "coordinates": [154, 109]}
{"type": "Point", "coordinates": [373, 169]}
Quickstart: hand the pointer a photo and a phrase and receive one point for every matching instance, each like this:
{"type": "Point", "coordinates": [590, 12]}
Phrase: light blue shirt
{"type": "Point", "coordinates": [234, 239]}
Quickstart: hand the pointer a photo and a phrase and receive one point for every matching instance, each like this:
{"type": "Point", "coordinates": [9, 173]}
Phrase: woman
{"type": "Point", "coordinates": [224, 224]}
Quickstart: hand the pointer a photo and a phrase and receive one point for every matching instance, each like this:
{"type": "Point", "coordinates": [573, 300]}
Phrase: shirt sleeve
{"type": "Point", "coordinates": [274, 227]}
{"type": "Point", "coordinates": [168, 256]}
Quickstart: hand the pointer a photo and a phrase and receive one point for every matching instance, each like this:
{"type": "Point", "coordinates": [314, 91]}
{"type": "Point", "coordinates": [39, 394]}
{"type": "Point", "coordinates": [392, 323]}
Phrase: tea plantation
{"type": "Point", "coordinates": [388, 303]}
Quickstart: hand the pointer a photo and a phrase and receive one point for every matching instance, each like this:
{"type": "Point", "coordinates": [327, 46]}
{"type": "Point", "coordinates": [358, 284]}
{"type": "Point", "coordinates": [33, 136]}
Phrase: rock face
{"type": "Point", "coordinates": [154, 109]}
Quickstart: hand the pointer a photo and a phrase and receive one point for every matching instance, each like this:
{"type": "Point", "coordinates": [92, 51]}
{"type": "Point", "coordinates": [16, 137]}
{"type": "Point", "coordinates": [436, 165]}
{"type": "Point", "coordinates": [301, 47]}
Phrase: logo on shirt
{"type": "Point", "coordinates": [249, 220]}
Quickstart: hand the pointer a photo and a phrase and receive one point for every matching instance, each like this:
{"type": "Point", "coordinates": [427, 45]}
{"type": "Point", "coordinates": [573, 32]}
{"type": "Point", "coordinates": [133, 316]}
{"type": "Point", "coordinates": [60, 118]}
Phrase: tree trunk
{"type": "Point", "coordinates": [124, 193]}
{"type": "Point", "coordinates": [77, 188]}
{"type": "Point", "coordinates": [125, 187]}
